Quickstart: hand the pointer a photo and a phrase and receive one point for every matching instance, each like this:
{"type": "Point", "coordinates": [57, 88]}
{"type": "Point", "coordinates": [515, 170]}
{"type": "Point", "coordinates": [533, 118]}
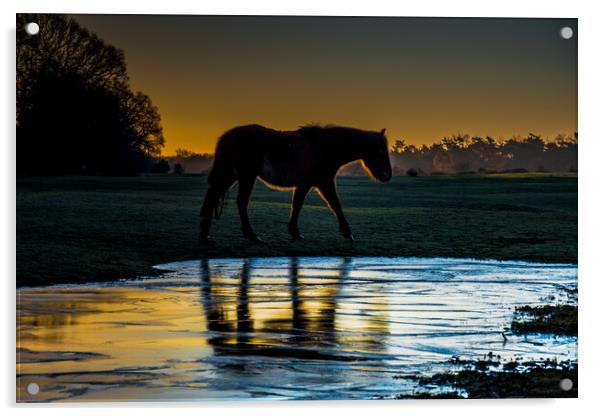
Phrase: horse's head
{"type": "Point", "coordinates": [376, 157]}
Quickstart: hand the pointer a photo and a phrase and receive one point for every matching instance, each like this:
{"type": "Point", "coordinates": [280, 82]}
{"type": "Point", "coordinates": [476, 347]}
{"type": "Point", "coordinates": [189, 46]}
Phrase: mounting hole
{"type": "Point", "coordinates": [32, 28]}
{"type": "Point", "coordinates": [566, 32]}
{"type": "Point", "coordinates": [33, 388]}
{"type": "Point", "coordinates": [566, 384]}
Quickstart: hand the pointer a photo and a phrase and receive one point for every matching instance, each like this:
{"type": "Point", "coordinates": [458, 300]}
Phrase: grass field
{"type": "Point", "coordinates": [78, 229]}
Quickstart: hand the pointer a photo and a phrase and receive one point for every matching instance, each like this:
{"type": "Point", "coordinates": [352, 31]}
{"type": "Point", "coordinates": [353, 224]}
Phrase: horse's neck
{"type": "Point", "coordinates": [350, 149]}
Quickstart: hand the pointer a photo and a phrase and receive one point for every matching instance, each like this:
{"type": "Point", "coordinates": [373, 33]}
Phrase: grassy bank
{"type": "Point", "coordinates": [78, 229]}
{"type": "Point", "coordinates": [492, 379]}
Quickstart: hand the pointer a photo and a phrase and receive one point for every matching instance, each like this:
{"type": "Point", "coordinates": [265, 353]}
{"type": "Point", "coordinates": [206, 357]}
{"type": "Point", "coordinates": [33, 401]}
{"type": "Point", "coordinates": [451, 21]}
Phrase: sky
{"type": "Point", "coordinates": [420, 78]}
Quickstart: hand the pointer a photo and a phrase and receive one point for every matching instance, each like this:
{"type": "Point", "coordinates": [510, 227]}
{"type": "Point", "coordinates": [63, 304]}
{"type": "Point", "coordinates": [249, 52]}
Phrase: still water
{"type": "Point", "coordinates": [278, 328]}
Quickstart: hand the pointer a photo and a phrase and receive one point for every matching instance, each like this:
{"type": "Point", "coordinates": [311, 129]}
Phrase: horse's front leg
{"type": "Point", "coordinates": [299, 195]}
{"type": "Point", "coordinates": [328, 192]}
{"type": "Point", "coordinates": [245, 189]}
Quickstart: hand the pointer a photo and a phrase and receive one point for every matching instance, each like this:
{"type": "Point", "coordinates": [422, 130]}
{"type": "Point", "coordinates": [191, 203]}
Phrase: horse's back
{"type": "Point", "coordinates": [251, 138]}
{"type": "Point", "coordinates": [278, 157]}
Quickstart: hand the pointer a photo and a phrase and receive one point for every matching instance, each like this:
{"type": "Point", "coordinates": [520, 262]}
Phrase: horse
{"type": "Point", "coordinates": [298, 160]}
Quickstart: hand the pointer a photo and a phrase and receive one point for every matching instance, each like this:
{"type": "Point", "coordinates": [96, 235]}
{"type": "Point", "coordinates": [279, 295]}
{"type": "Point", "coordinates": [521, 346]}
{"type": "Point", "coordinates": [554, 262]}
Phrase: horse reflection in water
{"type": "Point", "coordinates": [307, 332]}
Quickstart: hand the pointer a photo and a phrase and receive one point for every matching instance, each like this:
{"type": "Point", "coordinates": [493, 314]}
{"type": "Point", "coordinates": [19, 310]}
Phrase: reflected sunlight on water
{"type": "Point", "coordinates": [278, 328]}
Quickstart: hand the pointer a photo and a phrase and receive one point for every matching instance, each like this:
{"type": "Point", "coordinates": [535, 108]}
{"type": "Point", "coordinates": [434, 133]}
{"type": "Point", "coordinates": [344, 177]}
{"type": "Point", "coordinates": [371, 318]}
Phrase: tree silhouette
{"type": "Point", "coordinates": [191, 162]}
{"type": "Point", "coordinates": [465, 154]}
{"type": "Point", "coordinates": [178, 169]}
{"type": "Point", "coordinates": [76, 113]}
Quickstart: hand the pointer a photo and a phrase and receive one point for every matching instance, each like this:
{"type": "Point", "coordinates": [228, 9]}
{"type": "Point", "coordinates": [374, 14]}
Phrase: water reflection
{"type": "Point", "coordinates": [312, 328]}
{"type": "Point", "coordinates": [298, 324]}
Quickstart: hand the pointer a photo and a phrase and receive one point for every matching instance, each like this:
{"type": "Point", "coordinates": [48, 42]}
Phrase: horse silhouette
{"type": "Point", "coordinates": [299, 160]}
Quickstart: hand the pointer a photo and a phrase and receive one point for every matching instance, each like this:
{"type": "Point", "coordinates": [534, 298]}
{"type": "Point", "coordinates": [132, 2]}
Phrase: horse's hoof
{"type": "Point", "coordinates": [295, 234]}
{"type": "Point", "coordinates": [349, 236]}
{"type": "Point", "coordinates": [254, 239]}
{"type": "Point", "coordinates": [205, 239]}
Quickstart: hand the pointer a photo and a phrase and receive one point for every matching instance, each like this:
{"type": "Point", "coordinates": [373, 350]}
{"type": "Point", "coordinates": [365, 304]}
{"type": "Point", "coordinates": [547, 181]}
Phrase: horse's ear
{"type": "Point", "coordinates": [382, 132]}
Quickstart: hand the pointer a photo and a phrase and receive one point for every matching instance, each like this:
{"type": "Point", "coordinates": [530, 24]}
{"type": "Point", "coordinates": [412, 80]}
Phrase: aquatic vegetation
{"type": "Point", "coordinates": [551, 319]}
{"type": "Point", "coordinates": [513, 379]}
{"type": "Point", "coordinates": [425, 395]}
{"type": "Point", "coordinates": [491, 377]}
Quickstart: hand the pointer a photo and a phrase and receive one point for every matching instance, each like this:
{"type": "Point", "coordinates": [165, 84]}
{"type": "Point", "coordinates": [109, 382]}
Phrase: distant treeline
{"type": "Point", "coordinates": [458, 154]}
{"type": "Point", "coordinates": [189, 162]}
{"type": "Point", "coordinates": [466, 154]}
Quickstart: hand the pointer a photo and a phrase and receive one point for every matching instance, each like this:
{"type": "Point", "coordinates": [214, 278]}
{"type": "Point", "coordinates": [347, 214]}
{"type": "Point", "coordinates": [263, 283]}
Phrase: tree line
{"type": "Point", "coordinates": [457, 154]}
{"type": "Point", "coordinates": [463, 153]}
{"type": "Point", "coordinates": [76, 113]}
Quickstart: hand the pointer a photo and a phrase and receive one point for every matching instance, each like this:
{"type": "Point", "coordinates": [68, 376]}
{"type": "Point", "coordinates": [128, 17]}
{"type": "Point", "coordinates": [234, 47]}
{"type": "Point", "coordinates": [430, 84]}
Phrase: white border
{"type": "Point", "coordinates": [590, 131]}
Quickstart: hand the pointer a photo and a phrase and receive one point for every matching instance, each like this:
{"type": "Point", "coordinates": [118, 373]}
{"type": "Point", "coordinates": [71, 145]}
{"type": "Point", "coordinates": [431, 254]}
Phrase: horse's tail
{"type": "Point", "coordinates": [219, 207]}
{"type": "Point", "coordinates": [220, 179]}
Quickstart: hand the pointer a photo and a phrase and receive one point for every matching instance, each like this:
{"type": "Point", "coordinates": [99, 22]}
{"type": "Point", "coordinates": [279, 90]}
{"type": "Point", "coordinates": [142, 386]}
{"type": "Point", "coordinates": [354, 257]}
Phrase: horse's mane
{"type": "Point", "coordinates": [334, 131]}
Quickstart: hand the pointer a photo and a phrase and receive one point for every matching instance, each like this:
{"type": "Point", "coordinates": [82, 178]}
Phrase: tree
{"type": "Point", "coordinates": [399, 146]}
{"type": "Point", "coordinates": [178, 169]}
{"type": "Point", "coordinates": [75, 110]}
{"type": "Point", "coordinates": [160, 166]}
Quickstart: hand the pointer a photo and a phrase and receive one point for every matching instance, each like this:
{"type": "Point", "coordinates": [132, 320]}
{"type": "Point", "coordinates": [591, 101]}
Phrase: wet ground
{"type": "Point", "coordinates": [279, 328]}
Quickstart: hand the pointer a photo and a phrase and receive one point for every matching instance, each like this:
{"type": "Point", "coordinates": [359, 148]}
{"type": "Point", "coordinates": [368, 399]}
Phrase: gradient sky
{"type": "Point", "coordinates": [421, 78]}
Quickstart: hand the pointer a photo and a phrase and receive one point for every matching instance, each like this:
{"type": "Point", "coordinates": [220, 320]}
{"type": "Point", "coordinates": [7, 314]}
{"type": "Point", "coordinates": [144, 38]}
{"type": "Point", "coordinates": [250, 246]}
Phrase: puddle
{"type": "Point", "coordinates": [279, 328]}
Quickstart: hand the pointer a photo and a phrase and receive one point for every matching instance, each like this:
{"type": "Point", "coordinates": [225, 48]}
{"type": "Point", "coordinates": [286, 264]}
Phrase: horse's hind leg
{"type": "Point", "coordinates": [245, 189]}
